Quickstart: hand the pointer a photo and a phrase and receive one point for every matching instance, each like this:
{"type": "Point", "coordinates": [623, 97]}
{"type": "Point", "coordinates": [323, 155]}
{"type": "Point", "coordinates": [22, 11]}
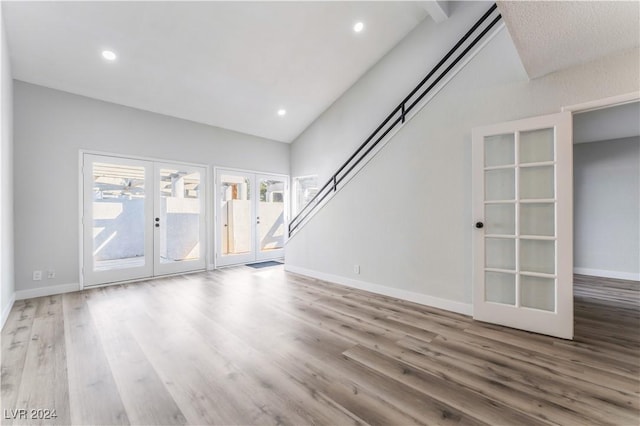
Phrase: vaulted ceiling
{"type": "Point", "coordinates": [236, 64]}
{"type": "Point", "coordinates": [227, 64]}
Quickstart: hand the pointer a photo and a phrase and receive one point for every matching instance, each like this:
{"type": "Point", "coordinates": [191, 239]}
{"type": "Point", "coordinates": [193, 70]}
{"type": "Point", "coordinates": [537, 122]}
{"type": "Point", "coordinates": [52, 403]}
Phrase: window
{"type": "Point", "coordinates": [304, 189]}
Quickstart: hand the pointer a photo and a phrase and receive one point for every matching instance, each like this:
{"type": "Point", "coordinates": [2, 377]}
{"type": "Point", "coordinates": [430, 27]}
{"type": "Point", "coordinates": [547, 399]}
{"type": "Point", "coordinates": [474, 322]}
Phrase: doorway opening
{"type": "Point", "coordinates": [606, 163]}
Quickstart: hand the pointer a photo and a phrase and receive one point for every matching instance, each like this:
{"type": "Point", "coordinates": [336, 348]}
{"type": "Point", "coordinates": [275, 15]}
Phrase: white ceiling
{"type": "Point", "coordinates": [227, 64]}
{"type": "Point", "coordinates": [551, 36]}
{"type": "Point", "coordinates": [621, 121]}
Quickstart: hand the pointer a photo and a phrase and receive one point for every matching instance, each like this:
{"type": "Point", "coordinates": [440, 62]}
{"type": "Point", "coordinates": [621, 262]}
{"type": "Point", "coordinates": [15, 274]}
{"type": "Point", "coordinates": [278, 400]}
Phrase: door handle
{"type": "Point", "coordinates": [479, 225]}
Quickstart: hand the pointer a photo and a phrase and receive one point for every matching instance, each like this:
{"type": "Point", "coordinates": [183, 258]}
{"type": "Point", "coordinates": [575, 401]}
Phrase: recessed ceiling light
{"type": "Point", "coordinates": [109, 55]}
{"type": "Point", "coordinates": [282, 112]}
{"type": "Point", "coordinates": [359, 26]}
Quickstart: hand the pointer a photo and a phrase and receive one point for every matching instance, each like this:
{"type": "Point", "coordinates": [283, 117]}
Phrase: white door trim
{"type": "Point", "coordinates": [140, 157]}
{"type": "Point", "coordinates": [602, 103]}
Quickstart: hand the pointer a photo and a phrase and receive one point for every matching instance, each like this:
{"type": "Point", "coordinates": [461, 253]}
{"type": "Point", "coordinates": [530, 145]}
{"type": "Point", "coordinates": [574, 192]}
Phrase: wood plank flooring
{"type": "Point", "coordinates": [247, 346]}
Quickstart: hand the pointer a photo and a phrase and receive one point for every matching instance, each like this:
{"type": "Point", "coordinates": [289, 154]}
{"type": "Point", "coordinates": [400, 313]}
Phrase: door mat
{"type": "Point", "coordinates": [264, 264]}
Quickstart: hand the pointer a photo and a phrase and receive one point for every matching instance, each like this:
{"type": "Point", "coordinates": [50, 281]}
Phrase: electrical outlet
{"type": "Point", "coordinates": [37, 275]}
{"type": "Point", "coordinates": [356, 269]}
{"type": "Point", "coordinates": [51, 274]}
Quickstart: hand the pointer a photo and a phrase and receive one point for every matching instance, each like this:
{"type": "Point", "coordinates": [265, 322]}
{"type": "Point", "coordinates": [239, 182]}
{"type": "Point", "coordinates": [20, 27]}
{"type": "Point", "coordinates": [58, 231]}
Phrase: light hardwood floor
{"type": "Point", "coordinates": [261, 346]}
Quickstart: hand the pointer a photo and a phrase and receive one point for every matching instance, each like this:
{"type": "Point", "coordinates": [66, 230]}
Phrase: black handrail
{"type": "Point", "coordinates": [332, 184]}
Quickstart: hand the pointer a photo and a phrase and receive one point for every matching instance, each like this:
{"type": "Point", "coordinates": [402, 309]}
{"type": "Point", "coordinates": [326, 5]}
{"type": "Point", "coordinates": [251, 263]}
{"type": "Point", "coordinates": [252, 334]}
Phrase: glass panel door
{"type": "Point", "coordinates": [270, 216]}
{"type": "Point", "coordinates": [141, 219]}
{"type": "Point", "coordinates": [179, 220]}
{"type": "Point", "coordinates": [235, 218]}
{"type": "Point", "coordinates": [251, 217]}
{"type": "Point", "coordinates": [522, 243]}
{"type": "Point", "coordinates": [117, 236]}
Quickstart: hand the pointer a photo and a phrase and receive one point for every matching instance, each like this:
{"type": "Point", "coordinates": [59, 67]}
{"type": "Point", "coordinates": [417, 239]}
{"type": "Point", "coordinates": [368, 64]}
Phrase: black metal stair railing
{"type": "Point", "coordinates": [399, 114]}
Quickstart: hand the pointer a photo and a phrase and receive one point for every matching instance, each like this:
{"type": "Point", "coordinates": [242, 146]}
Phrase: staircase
{"type": "Point", "coordinates": [411, 104]}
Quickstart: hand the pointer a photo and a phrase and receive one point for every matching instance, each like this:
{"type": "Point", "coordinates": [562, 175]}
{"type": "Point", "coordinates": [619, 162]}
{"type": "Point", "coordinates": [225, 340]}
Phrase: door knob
{"type": "Point", "coordinates": [479, 225]}
{"type": "Point", "coordinates": [157, 225]}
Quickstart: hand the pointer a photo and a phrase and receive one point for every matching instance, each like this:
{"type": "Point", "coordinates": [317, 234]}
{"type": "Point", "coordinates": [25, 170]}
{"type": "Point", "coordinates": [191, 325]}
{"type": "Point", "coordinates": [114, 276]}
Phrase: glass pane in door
{"type": "Point", "coordinates": [270, 215]}
{"type": "Point", "coordinates": [236, 215]}
{"type": "Point", "coordinates": [500, 253]}
{"type": "Point", "coordinates": [500, 184]}
{"type": "Point", "coordinates": [537, 219]}
{"type": "Point", "coordinates": [537, 292]}
{"type": "Point", "coordinates": [500, 288]}
{"type": "Point", "coordinates": [500, 219]}
{"type": "Point", "coordinates": [537, 183]}
{"type": "Point", "coordinates": [118, 212]}
{"type": "Point", "coordinates": [499, 150]}
{"type": "Point", "coordinates": [178, 222]}
{"type": "Point", "coordinates": [536, 146]}
{"type": "Point", "coordinates": [538, 256]}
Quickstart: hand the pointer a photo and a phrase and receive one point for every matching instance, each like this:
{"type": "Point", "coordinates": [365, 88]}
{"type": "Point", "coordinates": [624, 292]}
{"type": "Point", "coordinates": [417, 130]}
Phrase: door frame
{"type": "Point", "coordinates": [611, 101]}
{"type": "Point", "coordinates": [216, 209]}
{"type": "Point", "coordinates": [207, 203]}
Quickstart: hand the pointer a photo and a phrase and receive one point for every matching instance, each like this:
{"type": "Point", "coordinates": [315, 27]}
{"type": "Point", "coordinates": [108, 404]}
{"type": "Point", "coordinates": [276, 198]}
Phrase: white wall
{"type": "Point", "coordinates": [6, 179]}
{"type": "Point", "coordinates": [421, 245]}
{"type": "Point", "coordinates": [50, 129]}
{"type": "Point", "coordinates": [607, 208]}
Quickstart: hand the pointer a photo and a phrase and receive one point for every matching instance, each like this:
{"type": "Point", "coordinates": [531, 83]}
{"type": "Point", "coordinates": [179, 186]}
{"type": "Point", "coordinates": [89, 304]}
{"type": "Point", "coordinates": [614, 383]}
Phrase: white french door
{"type": "Point", "coordinates": [141, 219]}
{"type": "Point", "coordinates": [179, 218]}
{"type": "Point", "coordinates": [251, 216]}
{"type": "Point", "coordinates": [522, 204]}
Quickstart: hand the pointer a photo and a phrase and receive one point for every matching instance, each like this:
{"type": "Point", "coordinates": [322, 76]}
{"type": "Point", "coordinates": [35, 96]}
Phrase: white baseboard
{"type": "Point", "coordinates": [7, 310]}
{"type": "Point", "coordinates": [410, 296]}
{"type": "Point", "coordinates": [607, 274]}
{"type": "Point", "coordinates": [47, 291]}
